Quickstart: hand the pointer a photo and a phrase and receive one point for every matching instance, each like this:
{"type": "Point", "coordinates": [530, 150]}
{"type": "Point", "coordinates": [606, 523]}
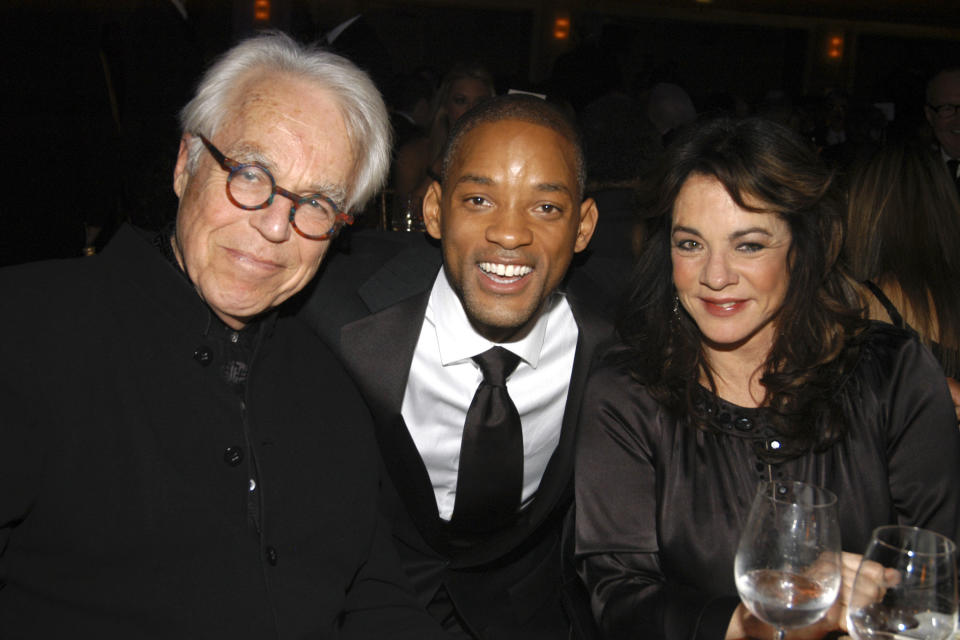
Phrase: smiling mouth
{"type": "Point", "coordinates": [252, 260]}
{"type": "Point", "coordinates": [723, 306]}
{"type": "Point", "coordinates": [499, 272]}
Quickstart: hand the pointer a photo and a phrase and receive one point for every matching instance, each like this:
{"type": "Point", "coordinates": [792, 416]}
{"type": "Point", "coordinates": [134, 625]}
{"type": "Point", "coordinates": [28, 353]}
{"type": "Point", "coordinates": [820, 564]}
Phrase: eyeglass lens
{"type": "Point", "coordinates": [946, 110]}
{"type": "Point", "coordinates": [253, 187]}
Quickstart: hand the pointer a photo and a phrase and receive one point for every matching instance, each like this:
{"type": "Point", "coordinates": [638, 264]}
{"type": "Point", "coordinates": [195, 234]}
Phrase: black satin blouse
{"type": "Point", "coordinates": [660, 504]}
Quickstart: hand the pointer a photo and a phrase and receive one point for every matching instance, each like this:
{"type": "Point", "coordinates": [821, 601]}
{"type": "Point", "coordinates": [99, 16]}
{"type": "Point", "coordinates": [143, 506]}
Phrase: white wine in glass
{"type": "Point", "coordinates": [906, 586]}
{"type": "Point", "coordinates": [787, 567]}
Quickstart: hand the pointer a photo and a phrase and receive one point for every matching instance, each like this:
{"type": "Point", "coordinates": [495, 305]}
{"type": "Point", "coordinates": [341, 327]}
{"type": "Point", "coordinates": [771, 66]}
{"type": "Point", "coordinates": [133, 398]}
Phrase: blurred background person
{"type": "Point", "coordinates": [417, 162]}
{"type": "Point", "coordinates": [411, 108]}
{"type": "Point", "coordinates": [943, 114]}
{"type": "Point", "coordinates": [669, 107]}
{"type": "Point", "coordinates": [903, 242]}
{"type": "Point", "coordinates": [745, 359]}
{"type": "Point", "coordinates": [621, 146]}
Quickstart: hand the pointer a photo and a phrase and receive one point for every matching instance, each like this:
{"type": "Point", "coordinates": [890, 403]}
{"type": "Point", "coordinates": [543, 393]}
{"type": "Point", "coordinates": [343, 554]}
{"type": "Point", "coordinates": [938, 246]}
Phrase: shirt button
{"type": "Point", "coordinates": [272, 556]}
{"type": "Point", "coordinates": [253, 485]}
{"type": "Point", "coordinates": [234, 336]}
{"type": "Point", "coordinates": [233, 456]}
{"type": "Point", "coordinates": [203, 355]}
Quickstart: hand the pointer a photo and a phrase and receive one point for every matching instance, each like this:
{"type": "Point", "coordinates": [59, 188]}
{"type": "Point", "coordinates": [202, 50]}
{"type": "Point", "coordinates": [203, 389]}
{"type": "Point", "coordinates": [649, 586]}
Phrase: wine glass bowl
{"type": "Point", "coordinates": [906, 586]}
{"type": "Point", "coordinates": [787, 567]}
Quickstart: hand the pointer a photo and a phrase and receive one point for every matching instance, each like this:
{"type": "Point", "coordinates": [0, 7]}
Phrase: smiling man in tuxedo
{"type": "Point", "coordinates": [474, 371]}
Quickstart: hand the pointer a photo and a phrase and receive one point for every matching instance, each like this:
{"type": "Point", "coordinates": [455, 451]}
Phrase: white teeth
{"type": "Point", "coordinates": [505, 270]}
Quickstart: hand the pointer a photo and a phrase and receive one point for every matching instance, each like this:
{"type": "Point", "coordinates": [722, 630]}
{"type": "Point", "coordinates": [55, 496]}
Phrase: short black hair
{"type": "Point", "coordinates": [517, 106]}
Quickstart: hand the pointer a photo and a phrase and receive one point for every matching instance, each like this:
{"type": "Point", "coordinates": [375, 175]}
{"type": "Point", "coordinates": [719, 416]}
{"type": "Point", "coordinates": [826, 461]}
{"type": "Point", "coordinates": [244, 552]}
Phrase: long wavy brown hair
{"type": "Point", "coordinates": [816, 344]}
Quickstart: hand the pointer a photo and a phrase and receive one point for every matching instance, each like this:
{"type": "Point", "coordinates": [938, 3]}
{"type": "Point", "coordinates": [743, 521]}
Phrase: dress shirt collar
{"type": "Point", "coordinates": [457, 340]}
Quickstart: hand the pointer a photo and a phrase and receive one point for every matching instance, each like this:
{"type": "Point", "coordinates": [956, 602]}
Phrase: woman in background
{"type": "Point", "coordinates": [745, 358]}
{"type": "Point", "coordinates": [903, 242]}
{"type": "Point", "coordinates": [417, 162]}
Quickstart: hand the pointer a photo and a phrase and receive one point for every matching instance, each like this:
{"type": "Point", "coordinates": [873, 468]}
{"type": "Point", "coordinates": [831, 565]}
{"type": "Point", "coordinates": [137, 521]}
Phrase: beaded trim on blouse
{"type": "Point", "coordinates": [731, 420]}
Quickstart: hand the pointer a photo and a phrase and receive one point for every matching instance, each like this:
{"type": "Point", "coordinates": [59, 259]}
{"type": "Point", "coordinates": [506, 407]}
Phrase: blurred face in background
{"type": "Point", "coordinates": [945, 89]}
{"type": "Point", "coordinates": [465, 93]}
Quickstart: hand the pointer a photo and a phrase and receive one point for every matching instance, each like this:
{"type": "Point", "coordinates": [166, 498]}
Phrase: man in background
{"type": "Point", "coordinates": [943, 113]}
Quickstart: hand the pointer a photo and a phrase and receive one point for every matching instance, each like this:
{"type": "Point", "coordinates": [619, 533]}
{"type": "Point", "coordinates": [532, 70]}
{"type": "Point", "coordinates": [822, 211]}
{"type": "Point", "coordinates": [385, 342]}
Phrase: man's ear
{"type": "Point", "coordinates": [588, 222]}
{"type": "Point", "coordinates": [431, 209]}
{"type": "Point", "coordinates": [180, 174]}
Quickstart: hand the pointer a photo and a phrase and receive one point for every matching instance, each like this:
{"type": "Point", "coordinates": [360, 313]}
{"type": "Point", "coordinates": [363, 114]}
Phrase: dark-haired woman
{"type": "Point", "coordinates": [745, 359]}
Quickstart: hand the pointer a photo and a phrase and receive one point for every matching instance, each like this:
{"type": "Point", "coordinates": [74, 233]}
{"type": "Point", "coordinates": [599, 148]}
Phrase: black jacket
{"type": "Point", "coordinates": [369, 305]}
{"type": "Point", "coordinates": [125, 470]}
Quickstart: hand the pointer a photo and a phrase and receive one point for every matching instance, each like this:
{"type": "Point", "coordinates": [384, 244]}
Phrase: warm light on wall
{"type": "Point", "coordinates": [561, 27]}
{"type": "Point", "coordinates": [261, 10]}
{"type": "Point", "coordinates": [835, 47]}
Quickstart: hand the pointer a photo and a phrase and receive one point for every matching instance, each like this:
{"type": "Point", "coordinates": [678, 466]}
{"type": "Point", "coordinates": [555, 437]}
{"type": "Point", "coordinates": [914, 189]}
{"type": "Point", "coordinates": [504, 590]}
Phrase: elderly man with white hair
{"type": "Point", "coordinates": [179, 458]}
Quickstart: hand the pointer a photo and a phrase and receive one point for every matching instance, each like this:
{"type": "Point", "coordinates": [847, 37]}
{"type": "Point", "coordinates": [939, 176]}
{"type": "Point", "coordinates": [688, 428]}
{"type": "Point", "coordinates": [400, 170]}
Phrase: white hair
{"type": "Point", "coordinates": [361, 106]}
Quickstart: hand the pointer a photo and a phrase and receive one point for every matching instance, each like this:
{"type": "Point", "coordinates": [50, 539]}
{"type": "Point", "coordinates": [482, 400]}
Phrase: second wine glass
{"type": "Point", "coordinates": [906, 586]}
{"type": "Point", "coordinates": [787, 566]}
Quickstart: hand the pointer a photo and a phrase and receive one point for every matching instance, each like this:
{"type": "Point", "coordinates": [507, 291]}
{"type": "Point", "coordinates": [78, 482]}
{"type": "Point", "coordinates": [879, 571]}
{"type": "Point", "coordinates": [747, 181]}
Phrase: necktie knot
{"type": "Point", "coordinates": [497, 364]}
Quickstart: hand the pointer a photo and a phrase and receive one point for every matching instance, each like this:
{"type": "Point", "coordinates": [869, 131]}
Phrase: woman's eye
{"type": "Point", "coordinates": [687, 245]}
{"type": "Point", "coordinates": [750, 247]}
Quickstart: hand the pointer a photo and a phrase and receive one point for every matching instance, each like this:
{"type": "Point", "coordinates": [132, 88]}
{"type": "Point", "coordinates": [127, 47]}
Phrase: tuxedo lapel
{"type": "Point", "coordinates": [378, 351]}
{"type": "Point", "coordinates": [558, 475]}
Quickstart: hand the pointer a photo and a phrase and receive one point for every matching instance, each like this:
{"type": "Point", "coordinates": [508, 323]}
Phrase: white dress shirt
{"type": "Point", "coordinates": [443, 379]}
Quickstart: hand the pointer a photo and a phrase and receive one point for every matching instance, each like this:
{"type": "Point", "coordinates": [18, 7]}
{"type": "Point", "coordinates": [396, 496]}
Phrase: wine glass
{"type": "Point", "coordinates": [787, 566]}
{"type": "Point", "coordinates": [906, 586]}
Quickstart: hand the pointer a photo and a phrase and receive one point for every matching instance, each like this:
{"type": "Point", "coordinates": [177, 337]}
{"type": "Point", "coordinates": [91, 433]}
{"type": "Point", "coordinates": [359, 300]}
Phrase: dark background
{"type": "Point", "coordinates": [90, 89]}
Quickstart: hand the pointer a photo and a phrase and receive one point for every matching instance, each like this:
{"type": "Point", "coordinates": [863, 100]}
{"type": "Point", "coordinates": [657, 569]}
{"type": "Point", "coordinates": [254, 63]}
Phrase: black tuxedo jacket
{"type": "Point", "coordinates": [369, 306]}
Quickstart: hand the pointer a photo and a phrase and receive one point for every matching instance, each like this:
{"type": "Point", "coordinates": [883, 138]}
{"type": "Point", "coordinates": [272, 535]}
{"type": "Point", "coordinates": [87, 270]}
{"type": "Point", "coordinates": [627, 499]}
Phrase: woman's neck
{"type": "Point", "coordinates": [737, 371]}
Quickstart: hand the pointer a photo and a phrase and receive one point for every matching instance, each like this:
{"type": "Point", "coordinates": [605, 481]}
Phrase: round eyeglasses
{"type": "Point", "coordinates": [251, 187]}
{"type": "Point", "coordinates": [945, 110]}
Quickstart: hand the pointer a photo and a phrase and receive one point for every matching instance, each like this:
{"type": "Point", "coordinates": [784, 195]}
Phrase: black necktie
{"type": "Point", "coordinates": [952, 165]}
{"type": "Point", "coordinates": [490, 477]}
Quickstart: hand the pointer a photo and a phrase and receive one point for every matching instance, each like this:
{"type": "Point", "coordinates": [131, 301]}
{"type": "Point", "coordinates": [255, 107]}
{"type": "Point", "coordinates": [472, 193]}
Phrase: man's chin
{"type": "Point", "coordinates": [502, 325]}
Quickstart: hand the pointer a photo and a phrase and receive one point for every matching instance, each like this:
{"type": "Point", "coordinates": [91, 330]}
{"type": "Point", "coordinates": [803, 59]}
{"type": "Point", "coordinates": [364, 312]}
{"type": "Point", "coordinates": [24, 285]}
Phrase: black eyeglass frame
{"type": "Point", "coordinates": [231, 166]}
{"type": "Point", "coordinates": [938, 109]}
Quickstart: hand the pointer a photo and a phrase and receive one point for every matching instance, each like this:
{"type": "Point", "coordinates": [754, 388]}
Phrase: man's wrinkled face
{"type": "Point", "coordinates": [945, 89]}
{"type": "Point", "coordinates": [510, 219]}
{"type": "Point", "coordinates": [245, 262]}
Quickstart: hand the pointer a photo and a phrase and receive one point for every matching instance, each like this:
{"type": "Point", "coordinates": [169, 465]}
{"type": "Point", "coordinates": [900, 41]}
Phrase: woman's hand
{"type": "Point", "coordinates": [744, 624]}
